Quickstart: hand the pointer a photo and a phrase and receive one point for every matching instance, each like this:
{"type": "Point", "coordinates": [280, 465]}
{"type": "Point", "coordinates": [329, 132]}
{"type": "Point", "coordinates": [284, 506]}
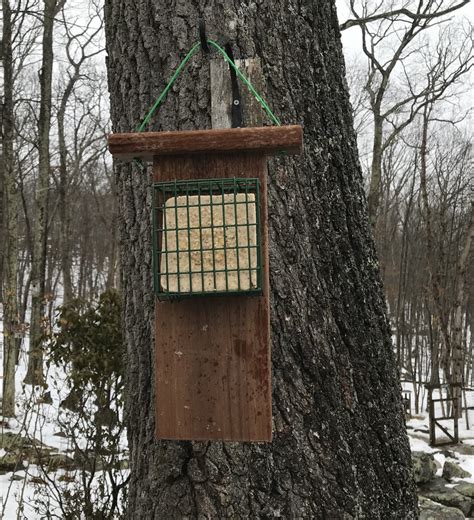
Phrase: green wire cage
{"type": "Point", "coordinates": [206, 237]}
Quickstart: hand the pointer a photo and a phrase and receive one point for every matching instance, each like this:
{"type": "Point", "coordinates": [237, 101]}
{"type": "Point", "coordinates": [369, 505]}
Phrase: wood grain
{"type": "Point", "coordinates": [213, 352]}
{"type": "Point", "coordinates": [221, 93]}
{"type": "Point", "coordinates": [267, 140]}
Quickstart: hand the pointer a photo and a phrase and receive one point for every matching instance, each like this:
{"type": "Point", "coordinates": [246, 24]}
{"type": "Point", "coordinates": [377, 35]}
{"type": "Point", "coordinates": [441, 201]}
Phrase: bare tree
{"type": "Point", "coordinates": [34, 374]}
{"type": "Point", "coordinates": [405, 13]}
{"type": "Point", "coordinates": [10, 281]}
{"type": "Point", "coordinates": [78, 42]}
{"type": "Point", "coordinates": [392, 113]}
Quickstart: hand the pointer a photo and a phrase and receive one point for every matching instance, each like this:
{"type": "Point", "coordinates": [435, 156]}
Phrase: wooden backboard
{"type": "Point", "coordinates": [213, 352]}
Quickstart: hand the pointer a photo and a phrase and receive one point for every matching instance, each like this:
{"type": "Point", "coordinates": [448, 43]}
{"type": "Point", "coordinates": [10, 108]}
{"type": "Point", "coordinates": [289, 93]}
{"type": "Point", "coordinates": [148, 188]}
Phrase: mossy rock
{"type": "Point", "coordinates": [67, 478]}
{"type": "Point", "coordinates": [14, 441]}
{"type": "Point", "coordinates": [449, 497]}
{"type": "Point", "coordinates": [430, 510]}
{"type": "Point", "coordinates": [57, 461]}
{"type": "Point", "coordinates": [452, 470]}
{"type": "Point", "coordinates": [9, 440]}
{"type": "Point", "coordinates": [465, 488]}
{"type": "Point", "coordinates": [424, 466]}
{"type": "Point", "coordinates": [36, 455]}
{"type": "Point", "coordinates": [10, 462]}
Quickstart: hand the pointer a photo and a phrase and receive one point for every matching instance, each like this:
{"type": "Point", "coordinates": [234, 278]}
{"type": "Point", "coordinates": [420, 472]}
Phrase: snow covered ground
{"type": "Point", "coordinates": [36, 420]}
{"type": "Point", "coordinates": [419, 441]}
{"type": "Point", "coordinates": [418, 428]}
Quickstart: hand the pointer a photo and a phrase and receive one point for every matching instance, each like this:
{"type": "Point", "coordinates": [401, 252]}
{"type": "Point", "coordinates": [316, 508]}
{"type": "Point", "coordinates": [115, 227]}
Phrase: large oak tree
{"type": "Point", "coordinates": [339, 448]}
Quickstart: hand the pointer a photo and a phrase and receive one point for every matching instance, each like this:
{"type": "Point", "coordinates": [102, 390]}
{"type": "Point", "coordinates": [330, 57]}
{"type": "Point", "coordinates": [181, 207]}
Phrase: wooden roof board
{"type": "Point", "coordinates": [268, 140]}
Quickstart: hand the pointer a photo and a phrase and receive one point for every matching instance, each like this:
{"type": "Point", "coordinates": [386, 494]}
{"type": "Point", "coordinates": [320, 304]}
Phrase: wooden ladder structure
{"type": "Point", "coordinates": [453, 398]}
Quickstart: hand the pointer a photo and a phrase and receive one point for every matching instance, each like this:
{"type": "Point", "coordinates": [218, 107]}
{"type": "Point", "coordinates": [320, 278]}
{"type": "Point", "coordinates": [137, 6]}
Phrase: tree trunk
{"type": "Point", "coordinates": [64, 217]}
{"type": "Point", "coordinates": [340, 449]}
{"type": "Point", "coordinates": [443, 357]}
{"type": "Point", "coordinates": [10, 293]}
{"type": "Point", "coordinates": [34, 374]}
{"type": "Point", "coordinates": [459, 310]}
{"type": "Point", "coordinates": [375, 186]}
{"type": "Point", "coordinates": [111, 282]}
{"type": "Point", "coordinates": [2, 209]}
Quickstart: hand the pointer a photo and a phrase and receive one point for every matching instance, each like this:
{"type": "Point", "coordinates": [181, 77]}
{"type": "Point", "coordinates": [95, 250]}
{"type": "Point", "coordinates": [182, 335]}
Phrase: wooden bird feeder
{"type": "Point", "coordinates": [211, 277]}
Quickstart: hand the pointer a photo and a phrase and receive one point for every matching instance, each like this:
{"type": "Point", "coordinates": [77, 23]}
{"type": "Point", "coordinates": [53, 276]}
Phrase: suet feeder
{"type": "Point", "coordinates": [211, 277]}
{"type": "Point", "coordinates": [207, 237]}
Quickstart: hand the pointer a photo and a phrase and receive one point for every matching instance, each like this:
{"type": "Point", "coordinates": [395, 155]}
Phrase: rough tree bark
{"type": "Point", "coordinates": [340, 449]}
{"type": "Point", "coordinates": [9, 282]}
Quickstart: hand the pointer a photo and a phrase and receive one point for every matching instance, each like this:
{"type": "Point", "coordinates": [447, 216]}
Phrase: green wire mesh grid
{"type": "Point", "coordinates": [206, 237]}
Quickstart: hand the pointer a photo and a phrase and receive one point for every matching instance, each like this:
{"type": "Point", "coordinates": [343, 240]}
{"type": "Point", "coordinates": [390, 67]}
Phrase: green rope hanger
{"type": "Point", "coordinates": [181, 66]}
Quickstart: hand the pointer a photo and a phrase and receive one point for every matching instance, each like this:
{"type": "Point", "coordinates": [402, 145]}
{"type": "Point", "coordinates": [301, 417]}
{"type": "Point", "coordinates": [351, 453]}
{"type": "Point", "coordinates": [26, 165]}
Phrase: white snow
{"type": "Point", "coordinates": [37, 420]}
{"type": "Point", "coordinates": [418, 428]}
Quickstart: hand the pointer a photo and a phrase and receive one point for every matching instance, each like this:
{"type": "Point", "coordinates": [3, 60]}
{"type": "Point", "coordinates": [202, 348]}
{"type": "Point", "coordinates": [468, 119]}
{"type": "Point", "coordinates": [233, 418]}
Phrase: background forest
{"type": "Point", "coordinates": [410, 80]}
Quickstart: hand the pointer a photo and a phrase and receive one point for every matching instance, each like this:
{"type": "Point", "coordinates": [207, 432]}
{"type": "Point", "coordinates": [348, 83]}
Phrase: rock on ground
{"type": "Point", "coordinates": [452, 470]}
{"type": "Point", "coordinates": [465, 488]}
{"type": "Point", "coordinates": [424, 466]}
{"type": "Point", "coordinates": [450, 497]}
{"type": "Point", "coordinates": [430, 510]}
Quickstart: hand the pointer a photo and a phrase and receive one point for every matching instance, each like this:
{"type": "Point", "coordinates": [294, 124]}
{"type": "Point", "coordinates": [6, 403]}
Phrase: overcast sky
{"type": "Point", "coordinates": [351, 37]}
